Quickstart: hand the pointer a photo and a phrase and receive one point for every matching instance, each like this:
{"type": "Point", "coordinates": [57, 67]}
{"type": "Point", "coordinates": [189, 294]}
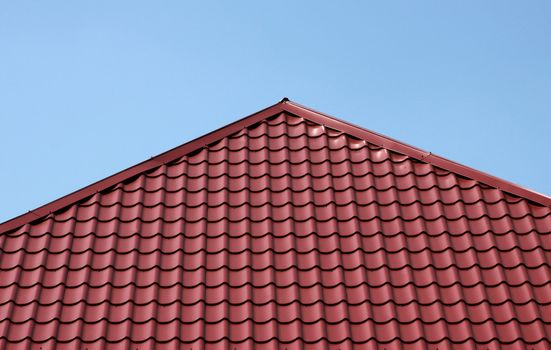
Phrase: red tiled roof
{"type": "Point", "coordinates": [288, 229]}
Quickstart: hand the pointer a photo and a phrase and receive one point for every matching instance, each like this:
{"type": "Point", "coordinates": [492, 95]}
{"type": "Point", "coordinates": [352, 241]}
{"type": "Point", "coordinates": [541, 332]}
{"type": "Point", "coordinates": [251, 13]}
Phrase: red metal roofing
{"type": "Point", "coordinates": [288, 229]}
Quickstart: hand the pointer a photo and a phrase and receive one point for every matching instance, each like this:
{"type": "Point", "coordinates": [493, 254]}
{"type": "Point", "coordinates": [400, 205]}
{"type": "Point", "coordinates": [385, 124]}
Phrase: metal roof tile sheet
{"type": "Point", "coordinates": [283, 231]}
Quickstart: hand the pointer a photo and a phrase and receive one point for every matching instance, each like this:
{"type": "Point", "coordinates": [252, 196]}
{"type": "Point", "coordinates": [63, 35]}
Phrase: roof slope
{"type": "Point", "coordinates": [287, 229]}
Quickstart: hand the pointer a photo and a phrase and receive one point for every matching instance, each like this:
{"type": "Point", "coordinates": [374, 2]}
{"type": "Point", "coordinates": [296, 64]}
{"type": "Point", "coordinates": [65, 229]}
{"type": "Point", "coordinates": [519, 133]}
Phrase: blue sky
{"type": "Point", "coordinates": [89, 88]}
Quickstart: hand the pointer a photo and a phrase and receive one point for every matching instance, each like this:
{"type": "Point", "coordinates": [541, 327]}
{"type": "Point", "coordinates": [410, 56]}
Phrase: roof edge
{"type": "Point", "coordinates": [155, 161]}
{"type": "Point", "coordinates": [417, 153]}
{"type": "Point", "coordinates": [285, 105]}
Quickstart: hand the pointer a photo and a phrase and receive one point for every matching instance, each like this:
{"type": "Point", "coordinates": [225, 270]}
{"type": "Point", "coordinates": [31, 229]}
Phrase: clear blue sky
{"type": "Point", "coordinates": [89, 88]}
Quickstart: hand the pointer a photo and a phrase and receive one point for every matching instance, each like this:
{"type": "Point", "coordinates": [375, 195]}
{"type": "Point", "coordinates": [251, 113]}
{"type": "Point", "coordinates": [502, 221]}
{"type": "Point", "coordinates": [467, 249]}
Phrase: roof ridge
{"type": "Point", "coordinates": [284, 105]}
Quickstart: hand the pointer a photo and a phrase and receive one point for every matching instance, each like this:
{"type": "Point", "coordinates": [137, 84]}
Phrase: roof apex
{"type": "Point", "coordinates": [288, 106]}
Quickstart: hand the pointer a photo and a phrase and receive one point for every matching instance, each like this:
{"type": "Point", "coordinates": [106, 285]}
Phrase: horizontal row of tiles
{"type": "Point", "coordinates": [281, 252]}
{"type": "Point", "coordinates": [287, 149]}
{"type": "Point", "coordinates": [175, 192]}
{"type": "Point", "coordinates": [296, 140]}
{"type": "Point", "coordinates": [283, 332]}
{"type": "Point", "coordinates": [298, 184]}
{"type": "Point", "coordinates": [282, 120]}
{"type": "Point", "coordinates": [104, 240]}
{"type": "Point", "coordinates": [200, 344]}
{"type": "Point", "coordinates": [308, 314]}
{"type": "Point", "coordinates": [322, 213]}
{"type": "Point", "coordinates": [300, 142]}
{"type": "Point", "coordinates": [281, 260]}
{"type": "Point", "coordinates": [259, 278]}
{"type": "Point", "coordinates": [352, 295]}
{"type": "Point", "coordinates": [296, 170]}
{"type": "Point", "coordinates": [299, 170]}
{"type": "Point", "coordinates": [475, 194]}
{"type": "Point", "coordinates": [295, 135]}
{"type": "Point", "coordinates": [295, 132]}
{"type": "Point", "coordinates": [397, 227]}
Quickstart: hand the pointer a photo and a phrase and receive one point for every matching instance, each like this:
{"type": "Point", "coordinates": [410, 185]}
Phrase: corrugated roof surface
{"type": "Point", "coordinates": [279, 232]}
